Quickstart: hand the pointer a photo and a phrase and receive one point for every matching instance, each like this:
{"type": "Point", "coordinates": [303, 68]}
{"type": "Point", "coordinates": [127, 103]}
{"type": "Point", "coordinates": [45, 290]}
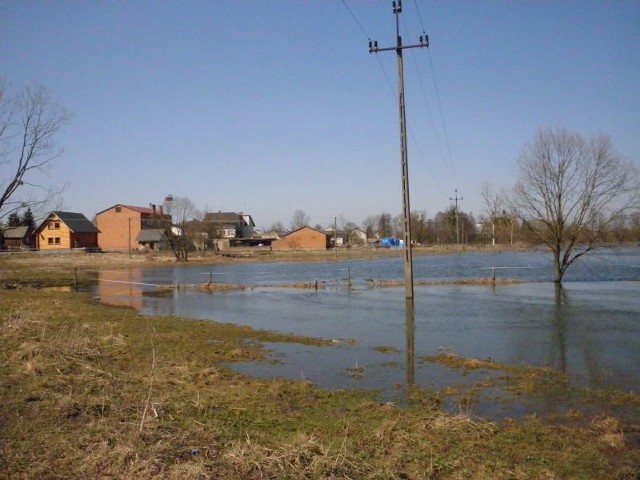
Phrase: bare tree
{"type": "Point", "coordinates": [300, 219]}
{"type": "Point", "coordinates": [493, 202]}
{"type": "Point", "coordinates": [278, 228]}
{"type": "Point", "coordinates": [370, 225]}
{"type": "Point", "coordinates": [568, 184]}
{"type": "Point", "coordinates": [347, 229]}
{"type": "Point", "coordinates": [29, 122]}
{"type": "Point", "coordinates": [419, 226]}
{"type": "Point", "coordinates": [385, 225]}
{"type": "Point", "coordinates": [181, 210]}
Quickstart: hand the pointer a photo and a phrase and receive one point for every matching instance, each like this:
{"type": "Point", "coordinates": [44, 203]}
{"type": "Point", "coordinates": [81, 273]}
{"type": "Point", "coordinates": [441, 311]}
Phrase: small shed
{"type": "Point", "coordinates": [66, 230]}
{"type": "Point", "coordinates": [18, 238]}
{"type": "Point", "coordinates": [153, 239]}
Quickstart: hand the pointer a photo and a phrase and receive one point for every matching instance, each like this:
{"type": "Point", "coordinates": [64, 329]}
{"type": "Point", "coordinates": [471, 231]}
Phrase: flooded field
{"type": "Point", "coordinates": [590, 330]}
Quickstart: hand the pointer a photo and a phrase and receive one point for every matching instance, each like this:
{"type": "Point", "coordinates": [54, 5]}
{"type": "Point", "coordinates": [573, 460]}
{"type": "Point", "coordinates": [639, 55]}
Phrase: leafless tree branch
{"type": "Point", "coordinates": [566, 185]}
{"type": "Point", "coordinates": [29, 122]}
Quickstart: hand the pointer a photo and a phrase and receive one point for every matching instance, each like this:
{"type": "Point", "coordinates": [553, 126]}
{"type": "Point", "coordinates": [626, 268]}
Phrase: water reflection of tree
{"type": "Point", "coordinates": [563, 327]}
{"type": "Point", "coordinates": [558, 344]}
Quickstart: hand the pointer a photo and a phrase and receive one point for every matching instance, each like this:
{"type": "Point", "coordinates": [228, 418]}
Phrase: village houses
{"type": "Point", "coordinates": [124, 227]}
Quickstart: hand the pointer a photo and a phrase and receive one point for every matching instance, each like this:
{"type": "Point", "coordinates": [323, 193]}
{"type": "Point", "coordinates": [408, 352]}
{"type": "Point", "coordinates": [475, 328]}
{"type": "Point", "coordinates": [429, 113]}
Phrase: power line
{"type": "Point", "coordinates": [450, 164]}
{"type": "Point", "coordinates": [393, 94]}
{"type": "Point", "coordinates": [431, 119]}
{"type": "Point", "coordinates": [344, 2]}
{"type": "Point", "coordinates": [444, 126]}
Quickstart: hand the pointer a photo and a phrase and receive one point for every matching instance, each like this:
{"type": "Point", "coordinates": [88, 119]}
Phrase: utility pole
{"type": "Point", "coordinates": [335, 236]}
{"type": "Point", "coordinates": [456, 198]}
{"type": "Point", "coordinates": [406, 206]}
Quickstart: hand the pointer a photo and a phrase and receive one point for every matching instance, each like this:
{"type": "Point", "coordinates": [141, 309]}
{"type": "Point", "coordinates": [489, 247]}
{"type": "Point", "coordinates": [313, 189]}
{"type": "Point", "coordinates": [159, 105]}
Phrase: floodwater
{"type": "Point", "coordinates": [590, 330]}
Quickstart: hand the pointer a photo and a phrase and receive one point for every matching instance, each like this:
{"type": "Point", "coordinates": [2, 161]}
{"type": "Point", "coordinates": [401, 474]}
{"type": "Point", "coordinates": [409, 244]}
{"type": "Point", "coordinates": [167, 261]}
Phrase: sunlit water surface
{"type": "Point", "coordinates": [591, 331]}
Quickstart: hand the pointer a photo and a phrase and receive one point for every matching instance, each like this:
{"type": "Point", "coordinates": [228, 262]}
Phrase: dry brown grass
{"type": "Point", "coordinates": [90, 391]}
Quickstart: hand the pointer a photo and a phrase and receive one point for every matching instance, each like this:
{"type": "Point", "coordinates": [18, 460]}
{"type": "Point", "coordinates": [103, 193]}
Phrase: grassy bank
{"type": "Point", "coordinates": [94, 391]}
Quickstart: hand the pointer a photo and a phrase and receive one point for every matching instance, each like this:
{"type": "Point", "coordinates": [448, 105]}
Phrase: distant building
{"type": "Point", "coordinates": [229, 224]}
{"type": "Point", "coordinates": [357, 236]}
{"type": "Point", "coordinates": [334, 236]}
{"type": "Point", "coordinates": [66, 230]}
{"type": "Point", "coordinates": [305, 238]}
{"type": "Point", "coordinates": [121, 227]}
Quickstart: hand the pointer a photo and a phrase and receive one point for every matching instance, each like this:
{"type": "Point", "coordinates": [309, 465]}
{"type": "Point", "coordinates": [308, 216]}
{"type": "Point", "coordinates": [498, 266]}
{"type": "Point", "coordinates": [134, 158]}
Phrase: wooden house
{"type": "Point", "coordinates": [66, 230]}
{"type": "Point", "coordinates": [120, 227]}
{"type": "Point", "coordinates": [305, 238]}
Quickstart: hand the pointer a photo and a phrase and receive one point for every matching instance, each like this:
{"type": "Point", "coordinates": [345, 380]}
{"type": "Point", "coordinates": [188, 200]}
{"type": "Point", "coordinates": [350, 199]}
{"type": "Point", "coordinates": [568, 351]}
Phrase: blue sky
{"type": "Point", "coordinates": [273, 106]}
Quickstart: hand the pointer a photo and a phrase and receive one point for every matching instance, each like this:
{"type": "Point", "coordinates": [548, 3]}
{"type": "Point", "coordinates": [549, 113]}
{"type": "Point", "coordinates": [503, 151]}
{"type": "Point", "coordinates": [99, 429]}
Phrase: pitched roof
{"type": "Point", "coordinates": [15, 232]}
{"type": "Point", "coordinates": [130, 207]}
{"type": "Point", "coordinates": [223, 217]}
{"type": "Point", "coordinates": [139, 209]}
{"type": "Point", "coordinates": [306, 227]}
{"type": "Point", "coordinates": [76, 222]}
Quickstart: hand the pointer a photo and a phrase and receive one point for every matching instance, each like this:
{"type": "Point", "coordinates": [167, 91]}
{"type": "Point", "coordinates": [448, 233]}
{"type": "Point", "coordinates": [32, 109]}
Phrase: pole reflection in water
{"type": "Point", "coordinates": [411, 336]}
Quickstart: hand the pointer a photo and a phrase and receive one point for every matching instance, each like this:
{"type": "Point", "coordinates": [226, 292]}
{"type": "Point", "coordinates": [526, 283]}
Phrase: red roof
{"type": "Point", "coordinates": [132, 207]}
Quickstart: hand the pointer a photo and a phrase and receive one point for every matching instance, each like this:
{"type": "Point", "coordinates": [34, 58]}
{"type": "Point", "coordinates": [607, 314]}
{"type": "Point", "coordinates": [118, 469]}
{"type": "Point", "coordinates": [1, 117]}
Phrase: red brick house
{"type": "Point", "coordinates": [121, 226]}
{"type": "Point", "coordinates": [305, 238]}
{"type": "Point", "coordinates": [66, 230]}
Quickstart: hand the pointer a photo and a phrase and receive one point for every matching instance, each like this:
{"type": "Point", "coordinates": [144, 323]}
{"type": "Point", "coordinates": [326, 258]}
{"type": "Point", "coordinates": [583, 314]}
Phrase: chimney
{"type": "Point", "coordinates": [153, 208]}
{"type": "Point", "coordinates": [160, 207]}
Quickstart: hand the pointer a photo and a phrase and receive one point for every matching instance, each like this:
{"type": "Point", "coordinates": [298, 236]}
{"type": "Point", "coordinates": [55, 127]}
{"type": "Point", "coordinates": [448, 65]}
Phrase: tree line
{"type": "Point", "coordinates": [571, 194]}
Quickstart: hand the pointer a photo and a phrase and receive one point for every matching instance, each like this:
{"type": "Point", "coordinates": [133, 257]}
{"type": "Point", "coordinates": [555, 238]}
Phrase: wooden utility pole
{"type": "Point", "coordinates": [456, 198]}
{"type": "Point", "coordinates": [335, 236]}
{"type": "Point", "coordinates": [406, 206]}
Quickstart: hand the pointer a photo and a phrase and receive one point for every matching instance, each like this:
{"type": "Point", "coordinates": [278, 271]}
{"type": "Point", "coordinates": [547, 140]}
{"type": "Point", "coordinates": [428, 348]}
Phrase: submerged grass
{"type": "Point", "coordinates": [96, 391]}
{"type": "Point", "coordinates": [523, 379]}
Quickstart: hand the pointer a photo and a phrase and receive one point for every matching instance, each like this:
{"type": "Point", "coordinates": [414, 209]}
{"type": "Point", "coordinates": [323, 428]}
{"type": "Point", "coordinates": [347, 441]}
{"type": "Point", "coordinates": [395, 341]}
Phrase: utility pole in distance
{"type": "Point", "coordinates": [406, 206]}
{"type": "Point", "coordinates": [456, 198]}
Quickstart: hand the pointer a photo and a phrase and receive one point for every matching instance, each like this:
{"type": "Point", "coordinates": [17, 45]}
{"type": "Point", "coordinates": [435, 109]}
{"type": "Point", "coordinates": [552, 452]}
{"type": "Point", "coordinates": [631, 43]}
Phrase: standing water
{"type": "Point", "coordinates": [589, 331]}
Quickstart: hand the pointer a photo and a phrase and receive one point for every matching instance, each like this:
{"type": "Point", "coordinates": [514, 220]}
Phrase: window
{"type": "Point", "coordinates": [50, 240]}
{"type": "Point", "coordinates": [57, 240]}
{"type": "Point", "coordinates": [57, 226]}
{"type": "Point", "coordinates": [118, 209]}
